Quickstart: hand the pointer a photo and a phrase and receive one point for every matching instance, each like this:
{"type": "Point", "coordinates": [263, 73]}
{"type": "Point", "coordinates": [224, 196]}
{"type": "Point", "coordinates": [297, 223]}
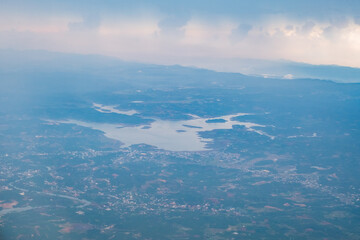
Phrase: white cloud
{"type": "Point", "coordinates": [241, 31]}
{"type": "Point", "coordinates": [288, 76]}
{"type": "Point", "coordinates": [307, 27]}
{"type": "Point", "coordinates": [189, 41]}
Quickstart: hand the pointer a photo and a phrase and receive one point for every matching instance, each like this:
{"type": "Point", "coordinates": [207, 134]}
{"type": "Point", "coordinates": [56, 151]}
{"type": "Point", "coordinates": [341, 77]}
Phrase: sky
{"type": "Point", "coordinates": [188, 32]}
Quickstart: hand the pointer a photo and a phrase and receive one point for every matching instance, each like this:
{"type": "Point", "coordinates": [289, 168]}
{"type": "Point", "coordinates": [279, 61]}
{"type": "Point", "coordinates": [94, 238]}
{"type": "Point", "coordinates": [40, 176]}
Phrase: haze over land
{"type": "Point", "coordinates": [231, 119]}
{"type": "Point", "coordinates": [94, 147]}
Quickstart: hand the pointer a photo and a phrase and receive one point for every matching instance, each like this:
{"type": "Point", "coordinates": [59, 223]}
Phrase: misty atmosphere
{"type": "Point", "coordinates": [179, 120]}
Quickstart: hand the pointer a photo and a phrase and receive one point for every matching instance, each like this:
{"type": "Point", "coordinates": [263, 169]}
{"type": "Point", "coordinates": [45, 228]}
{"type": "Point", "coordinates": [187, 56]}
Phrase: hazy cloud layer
{"type": "Point", "coordinates": [187, 32]}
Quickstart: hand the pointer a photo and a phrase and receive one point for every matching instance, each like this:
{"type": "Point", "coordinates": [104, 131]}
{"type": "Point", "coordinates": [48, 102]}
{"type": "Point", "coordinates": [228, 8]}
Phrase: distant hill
{"type": "Point", "coordinates": [285, 69]}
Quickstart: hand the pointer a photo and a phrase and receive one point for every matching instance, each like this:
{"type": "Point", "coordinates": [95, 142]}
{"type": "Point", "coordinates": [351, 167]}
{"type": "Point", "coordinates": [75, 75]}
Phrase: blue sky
{"type": "Point", "coordinates": [188, 32]}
